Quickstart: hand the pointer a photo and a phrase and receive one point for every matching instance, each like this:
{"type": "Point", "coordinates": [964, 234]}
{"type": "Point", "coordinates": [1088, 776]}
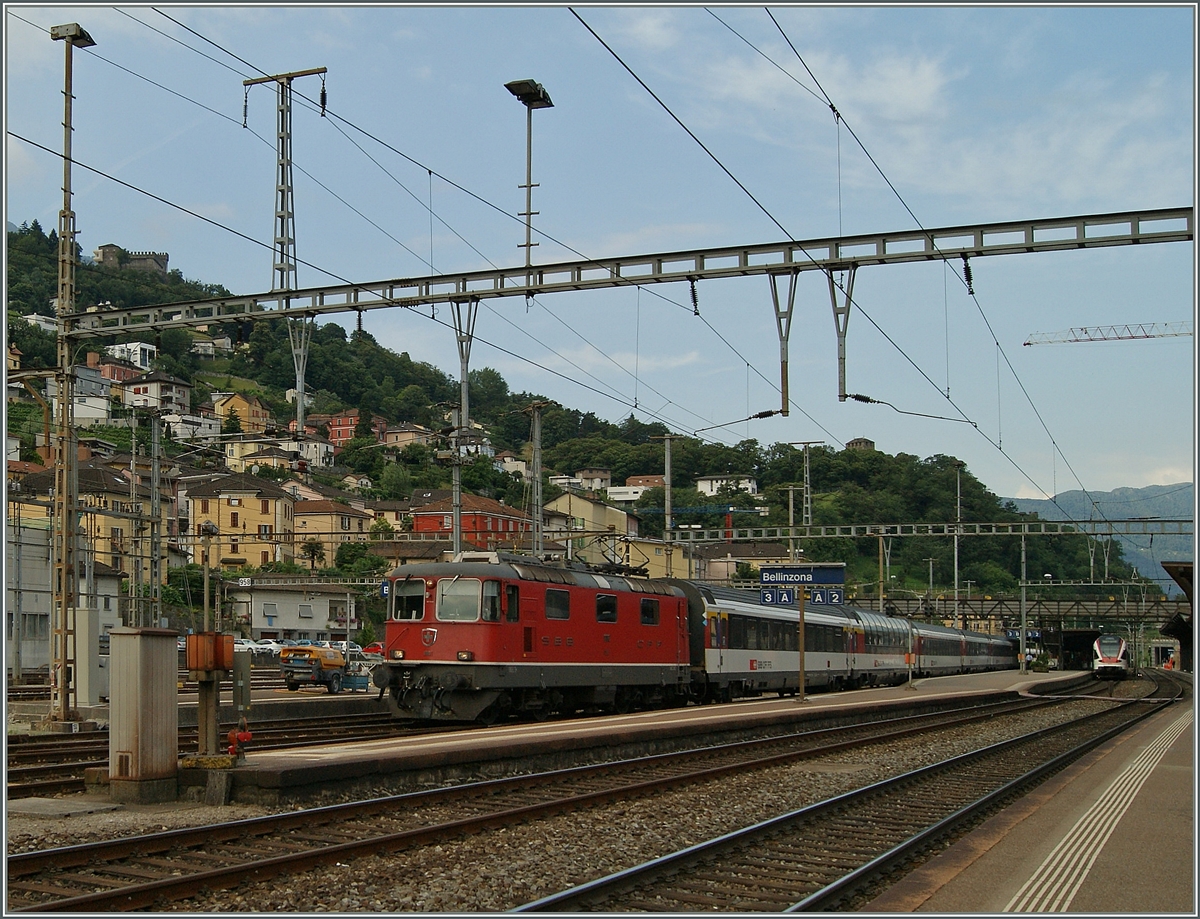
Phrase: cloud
{"type": "Point", "coordinates": [652, 30]}
{"type": "Point", "coordinates": [20, 163]}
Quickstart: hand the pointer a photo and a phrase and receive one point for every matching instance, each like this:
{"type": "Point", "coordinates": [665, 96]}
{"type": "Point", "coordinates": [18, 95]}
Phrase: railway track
{"type": "Point", "coordinates": [824, 856]}
{"type": "Point", "coordinates": [139, 872]}
{"type": "Point", "coordinates": [40, 766]}
{"type": "Point", "coordinates": [259, 679]}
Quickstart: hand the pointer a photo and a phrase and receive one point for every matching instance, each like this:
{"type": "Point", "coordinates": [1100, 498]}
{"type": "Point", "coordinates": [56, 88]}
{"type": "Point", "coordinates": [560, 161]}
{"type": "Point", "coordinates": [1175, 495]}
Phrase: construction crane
{"type": "Point", "coordinates": [1114, 333]}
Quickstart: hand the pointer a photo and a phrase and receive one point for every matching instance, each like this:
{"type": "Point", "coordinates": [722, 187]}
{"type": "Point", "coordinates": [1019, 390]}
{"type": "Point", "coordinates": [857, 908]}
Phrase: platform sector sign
{"type": "Point", "coordinates": [822, 584]}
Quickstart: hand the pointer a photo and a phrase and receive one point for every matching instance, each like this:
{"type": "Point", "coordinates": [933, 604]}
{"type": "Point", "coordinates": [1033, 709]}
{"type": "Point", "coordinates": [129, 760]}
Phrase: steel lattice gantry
{"type": "Point", "coordinates": [778, 260]}
{"type": "Point", "coordinates": [1093, 528]}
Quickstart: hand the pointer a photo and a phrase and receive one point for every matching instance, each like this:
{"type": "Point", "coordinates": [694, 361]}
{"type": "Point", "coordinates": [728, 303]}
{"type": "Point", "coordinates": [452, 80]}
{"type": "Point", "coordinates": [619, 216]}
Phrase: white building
{"type": "Point", "coordinates": [712, 484]}
{"type": "Point", "coordinates": [313, 611]}
{"type": "Point", "coordinates": [28, 597]}
{"type": "Point", "coordinates": [138, 353]}
{"type": "Point", "coordinates": [192, 427]}
{"type": "Point", "coordinates": [45, 323]}
{"type": "Point", "coordinates": [158, 390]}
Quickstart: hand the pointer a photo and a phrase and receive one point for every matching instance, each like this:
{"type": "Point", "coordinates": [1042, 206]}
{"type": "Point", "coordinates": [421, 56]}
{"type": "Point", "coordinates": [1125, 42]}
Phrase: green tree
{"type": "Point", "coordinates": [355, 559]}
{"type": "Point", "coordinates": [314, 551]}
{"type": "Point", "coordinates": [232, 423]}
{"type": "Point", "coordinates": [395, 481]}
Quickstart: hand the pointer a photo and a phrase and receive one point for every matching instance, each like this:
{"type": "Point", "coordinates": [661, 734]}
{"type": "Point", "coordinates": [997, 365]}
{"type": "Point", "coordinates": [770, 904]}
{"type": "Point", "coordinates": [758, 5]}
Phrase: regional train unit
{"type": "Point", "coordinates": [489, 635]}
{"type": "Point", "coordinates": [1110, 657]}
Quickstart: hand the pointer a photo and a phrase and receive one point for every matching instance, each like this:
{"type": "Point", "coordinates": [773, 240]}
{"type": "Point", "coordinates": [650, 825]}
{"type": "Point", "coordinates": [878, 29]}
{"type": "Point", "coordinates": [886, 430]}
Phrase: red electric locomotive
{"type": "Point", "coordinates": [495, 635]}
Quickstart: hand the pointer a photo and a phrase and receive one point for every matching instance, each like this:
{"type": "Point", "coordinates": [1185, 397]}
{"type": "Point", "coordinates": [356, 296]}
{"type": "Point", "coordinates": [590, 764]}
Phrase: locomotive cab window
{"type": "Point", "coordinates": [558, 604]}
{"type": "Point", "coordinates": [606, 608]}
{"type": "Point", "coordinates": [491, 601]}
{"type": "Point", "coordinates": [408, 599]}
{"type": "Point", "coordinates": [649, 611]}
{"type": "Point", "coordinates": [458, 599]}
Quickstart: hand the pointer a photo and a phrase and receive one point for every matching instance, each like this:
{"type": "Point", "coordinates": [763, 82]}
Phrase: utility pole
{"type": "Point", "coordinates": [957, 527]}
{"type": "Point", "coordinates": [284, 277]}
{"type": "Point", "coordinates": [666, 439]}
{"type": "Point", "coordinates": [535, 410]}
{"type": "Point", "coordinates": [155, 519]}
{"type": "Point", "coordinates": [1023, 577]}
{"type": "Point", "coordinates": [931, 561]}
{"type": "Point", "coordinates": [464, 329]}
{"type": "Point", "coordinates": [806, 512]}
{"type": "Point", "coordinates": [66, 471]}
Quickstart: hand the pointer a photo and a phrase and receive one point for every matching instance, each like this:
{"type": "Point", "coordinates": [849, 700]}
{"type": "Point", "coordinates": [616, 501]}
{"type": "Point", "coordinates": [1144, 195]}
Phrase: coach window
{"type": "Point", "coordinates": [408, 599]}
{"type": "Point", "coordinates": [513, 612]}
{"type": "Point", "coordinates": [649, 611]}
{"type": "Point", "coordinates": [737, 633]}
{"type": "Point", "coordinates": [752, 635]}
{"type": "Point", "coordinates": [558, 604]}
{"type": "Point", "coordinates": [491, 601]}
{"type": "Point", "coordinates": [606, 608]}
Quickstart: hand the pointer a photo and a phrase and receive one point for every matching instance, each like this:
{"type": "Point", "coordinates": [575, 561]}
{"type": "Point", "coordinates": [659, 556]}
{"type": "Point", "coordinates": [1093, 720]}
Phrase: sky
{"type": "Point", "coordinates": [967, 114]}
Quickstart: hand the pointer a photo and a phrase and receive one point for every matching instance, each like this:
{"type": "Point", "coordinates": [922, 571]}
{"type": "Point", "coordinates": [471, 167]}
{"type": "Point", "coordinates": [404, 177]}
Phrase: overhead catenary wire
{"type": "Point", "coordinates": [217, 224]}
{"type": "Point", "coordinates": [431, 172]}
{"type": "Point", "coordinates": [618, 397]}
{"type": "Point", "coordinates": [828, 272]}
{"type": "Point", "coordinates": [967, 279]}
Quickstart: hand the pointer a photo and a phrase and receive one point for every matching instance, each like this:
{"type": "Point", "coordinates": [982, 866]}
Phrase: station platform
{"type": "Point", "coordinates": [1113, 833]}
{"type": "Point", "coordinates": [419, 760]}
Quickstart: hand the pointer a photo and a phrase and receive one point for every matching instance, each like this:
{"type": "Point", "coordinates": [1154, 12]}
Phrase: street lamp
{"type": "Point", "coordinates": [532, 95]}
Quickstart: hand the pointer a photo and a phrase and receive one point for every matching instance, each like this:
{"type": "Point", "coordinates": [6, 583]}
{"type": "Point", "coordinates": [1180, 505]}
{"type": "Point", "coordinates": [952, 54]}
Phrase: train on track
{"type": "Point", "coordinates": [1110, 657]}
{"type": "Point", "coordinates": [490, 635]}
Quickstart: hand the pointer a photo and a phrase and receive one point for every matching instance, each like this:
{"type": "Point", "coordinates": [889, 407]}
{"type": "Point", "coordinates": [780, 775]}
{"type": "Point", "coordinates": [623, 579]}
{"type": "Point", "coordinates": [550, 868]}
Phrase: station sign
{"type": "Point", "coordinates": [808, 575]}
{"type": "Point", "coordinates": [822, 584]}
{"type": "Point", "coordinates": [1035, 634]}
{"type": "Point", "coordinates": [787, 596]}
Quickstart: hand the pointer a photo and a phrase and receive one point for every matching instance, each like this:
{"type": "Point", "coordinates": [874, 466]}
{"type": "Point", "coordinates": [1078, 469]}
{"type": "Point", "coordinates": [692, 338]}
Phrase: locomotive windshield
{"type": "Point", "coordinates": [1109, 645]}
{"type": "Point", "coordinates": [458, 599]}
{"type": "Point", "coordinates": [408, 599]}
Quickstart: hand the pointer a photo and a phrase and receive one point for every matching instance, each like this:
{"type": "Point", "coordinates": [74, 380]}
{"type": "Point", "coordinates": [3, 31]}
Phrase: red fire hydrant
{"type": "Point", "coordinates": [237, 738]}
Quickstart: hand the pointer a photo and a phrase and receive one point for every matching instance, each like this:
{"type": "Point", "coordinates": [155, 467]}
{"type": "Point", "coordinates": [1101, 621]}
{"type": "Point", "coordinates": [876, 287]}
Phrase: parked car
{"type": "Point", "coordinates": [267, 646]}
{"type": "Point", "coordinates": [375, 647]}
{"type": "Point", "coordinates": [312, 666]}
{"type": "Point", "coordinates": [244, 644]}
{"type": "Point", "coordinates": [341, 646]}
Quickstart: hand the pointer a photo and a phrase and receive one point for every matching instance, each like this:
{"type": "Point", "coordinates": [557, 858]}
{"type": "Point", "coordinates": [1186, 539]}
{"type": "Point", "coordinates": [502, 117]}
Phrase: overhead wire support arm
{"type": "Point", "coordinates": [783, 324]}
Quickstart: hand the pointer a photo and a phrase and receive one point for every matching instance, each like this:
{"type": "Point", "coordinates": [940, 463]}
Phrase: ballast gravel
{"type": "Point", "coordinates": [504, 868]}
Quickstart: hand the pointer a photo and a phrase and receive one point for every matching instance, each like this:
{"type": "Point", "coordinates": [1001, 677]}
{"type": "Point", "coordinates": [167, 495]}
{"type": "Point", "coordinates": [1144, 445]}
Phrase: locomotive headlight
{"type": "Point", "coordinates": [397, 654]}
{"type": "Point", "coordinates": [466, 655]}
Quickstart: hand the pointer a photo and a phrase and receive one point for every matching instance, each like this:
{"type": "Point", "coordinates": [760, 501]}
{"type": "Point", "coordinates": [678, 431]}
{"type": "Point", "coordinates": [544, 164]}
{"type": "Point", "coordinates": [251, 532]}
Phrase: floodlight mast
{"type": "Point", "coordinates": [532, 95]}
{"type": "Point", "coordinates": [66, 470]}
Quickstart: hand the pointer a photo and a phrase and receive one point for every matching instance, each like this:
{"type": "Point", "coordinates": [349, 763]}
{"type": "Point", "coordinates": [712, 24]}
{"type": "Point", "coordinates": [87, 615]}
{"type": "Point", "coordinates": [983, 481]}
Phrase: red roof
{"type": "Point", "coordinates": [472, 504]}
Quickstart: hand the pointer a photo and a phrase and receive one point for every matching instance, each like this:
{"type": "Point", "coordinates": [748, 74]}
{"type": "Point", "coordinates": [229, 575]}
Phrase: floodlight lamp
{"type": "Point", "coordinates": [530, 93]}
{"type": "Point", "coordinates": [72, 32]}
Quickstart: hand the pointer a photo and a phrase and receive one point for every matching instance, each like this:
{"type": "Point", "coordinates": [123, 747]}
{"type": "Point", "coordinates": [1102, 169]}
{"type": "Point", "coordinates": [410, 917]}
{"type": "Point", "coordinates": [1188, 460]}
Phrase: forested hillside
{"type": "Point", "coordinates": [354, 371]}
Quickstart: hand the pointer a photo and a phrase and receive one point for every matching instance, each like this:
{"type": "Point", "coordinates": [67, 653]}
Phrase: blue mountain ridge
{"type": "Point", "coordinates": [1146, 553]}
